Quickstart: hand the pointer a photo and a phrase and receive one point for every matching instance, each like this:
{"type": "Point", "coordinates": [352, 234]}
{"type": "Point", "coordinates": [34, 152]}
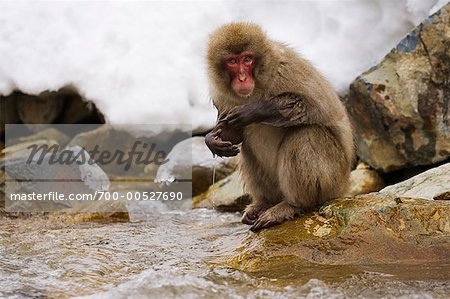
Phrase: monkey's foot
{"type": "Point", "coordinates": [253, 211]}
{"type": "Point", "coordinates": [275, 215]}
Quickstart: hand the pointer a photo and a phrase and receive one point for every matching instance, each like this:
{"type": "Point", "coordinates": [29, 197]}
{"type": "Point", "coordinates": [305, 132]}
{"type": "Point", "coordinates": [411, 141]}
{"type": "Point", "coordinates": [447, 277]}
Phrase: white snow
{"type": "Point", "coordinates": [143, 62]}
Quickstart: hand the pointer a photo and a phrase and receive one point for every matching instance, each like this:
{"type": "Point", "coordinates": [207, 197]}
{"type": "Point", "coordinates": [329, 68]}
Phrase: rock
{"type": "Point", "coordinates": [226, 195]}
{"type": "Point", "coordinates": [8, 111]}
{"type": "Point", "coordinates": [365, 230]}
{"type": "Point", "coordinates": [397, 225]}
{"type": "Point", "coordinates": [132, 150]}
{"type": "Point", "coordinates": [431, 184]}
{"type": "Point", "coordinates": [2, 176]}
{"type": "Point", "coordinates": [364, 180]}
{"type": "Point", "coordinates": [64, 106]}
{"type": "Point", "coordinates": [107, 139]}
{"type": "Point", "coordinates": [191, 159]}
{"type": "Point", "coordinates": [49, 134]}
{"type": "Point", "coordinates": [78, 110]}
{"type": "Point", "coordinates": [77, 177]}
{"type": "Point", "coordinates": [73, 217]}
{"type": "Point", "coordinates": [401, 106]}
{"type": "Point", "coordinates": [2, 188]}
{"type": "Point", "coordinates": [42, 109]}
{"type": "Point", "coordinates": [54, 172]}
{"type": "Point", "coordinates": [70, 217]}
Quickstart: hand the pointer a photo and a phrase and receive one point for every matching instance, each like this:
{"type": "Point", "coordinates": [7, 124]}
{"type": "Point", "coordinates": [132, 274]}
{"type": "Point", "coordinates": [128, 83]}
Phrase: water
{"type": "Point", "coordinates": [170, 252]}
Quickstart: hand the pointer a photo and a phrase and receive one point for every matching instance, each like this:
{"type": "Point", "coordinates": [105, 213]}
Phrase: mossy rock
{"type": "Point", "coordinates": [365, 230]}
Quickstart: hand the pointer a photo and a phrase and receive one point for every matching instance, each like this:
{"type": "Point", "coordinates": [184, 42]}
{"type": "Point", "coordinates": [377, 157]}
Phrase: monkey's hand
{"type": "Point", "coordinates": [218, 146]}
{"type": "Point", "coordinates": [235, 136]}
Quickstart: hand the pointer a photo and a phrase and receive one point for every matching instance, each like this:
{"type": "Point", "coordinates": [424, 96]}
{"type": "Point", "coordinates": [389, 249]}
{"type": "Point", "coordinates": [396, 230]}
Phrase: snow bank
{"type": "Point", "coordinates": [143, 62]}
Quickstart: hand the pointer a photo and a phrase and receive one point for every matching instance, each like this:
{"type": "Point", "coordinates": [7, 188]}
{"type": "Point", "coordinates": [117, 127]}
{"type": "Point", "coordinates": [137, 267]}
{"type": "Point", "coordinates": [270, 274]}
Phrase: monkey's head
{"type": "Point", "coordinates": [238, 54]}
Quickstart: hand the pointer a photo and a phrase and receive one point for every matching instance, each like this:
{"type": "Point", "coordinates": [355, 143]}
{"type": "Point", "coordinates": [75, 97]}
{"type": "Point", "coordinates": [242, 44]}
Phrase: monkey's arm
{"type": "Point", "coordinates": [284, 110]}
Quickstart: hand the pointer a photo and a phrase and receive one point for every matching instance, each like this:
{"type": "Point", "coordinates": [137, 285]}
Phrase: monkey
{"type": "Point", "coordinates": [274, 108]}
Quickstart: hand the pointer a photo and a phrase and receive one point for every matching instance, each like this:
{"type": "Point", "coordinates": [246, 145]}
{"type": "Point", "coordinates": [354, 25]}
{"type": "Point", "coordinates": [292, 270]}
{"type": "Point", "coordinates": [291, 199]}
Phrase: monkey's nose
{"type": "Point", "coordinates": [242, 77]}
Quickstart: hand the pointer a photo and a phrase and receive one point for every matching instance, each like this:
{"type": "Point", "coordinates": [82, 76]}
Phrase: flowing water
{"type": "Point", "coordinates": [169, 251]}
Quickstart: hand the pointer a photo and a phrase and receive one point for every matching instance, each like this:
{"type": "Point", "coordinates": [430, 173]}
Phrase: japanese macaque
{"type": "Point", "coordinates": [296, 139]}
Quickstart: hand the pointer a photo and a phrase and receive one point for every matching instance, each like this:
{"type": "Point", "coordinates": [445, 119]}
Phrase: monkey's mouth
{"type": "Point", "coordinates": [245, 89]}
{"type": "Point", "coordinates": [245, 93]}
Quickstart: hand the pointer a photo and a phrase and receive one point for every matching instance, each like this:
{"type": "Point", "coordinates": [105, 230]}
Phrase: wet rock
{"type": "Point", "coordinates": [226, 195]}
{"type": "Point", "coordinates": [116, 213]}
{"type": "Point", "coordinates": [364, 180]}
{"type": "Point", "coordinates": [431, 184]}
{"type": "Point", "coordinates": [365, 230]}
{"type": "Point", "coordinates": [67, 217]}
{"type": "Point", "coordinates": [401, 106]}
{"type": "Point", "coordinates": [191, 159]}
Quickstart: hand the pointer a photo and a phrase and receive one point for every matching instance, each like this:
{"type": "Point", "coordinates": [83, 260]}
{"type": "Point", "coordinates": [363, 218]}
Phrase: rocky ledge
{"type": "Point", "coordinates": [376, 228]}
{"type": "Point", "coordinates": [369, 229]}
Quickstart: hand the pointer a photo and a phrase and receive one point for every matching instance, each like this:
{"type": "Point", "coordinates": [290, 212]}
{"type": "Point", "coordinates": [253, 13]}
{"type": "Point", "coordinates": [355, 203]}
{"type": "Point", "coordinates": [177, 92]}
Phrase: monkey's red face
{"type": "Point", "coordinates": [240, 67]}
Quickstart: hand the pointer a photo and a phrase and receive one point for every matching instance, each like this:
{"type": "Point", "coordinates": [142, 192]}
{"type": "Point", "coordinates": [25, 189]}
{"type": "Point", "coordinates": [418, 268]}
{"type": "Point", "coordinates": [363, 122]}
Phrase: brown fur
{"type": "Point", "coordinates": [301, 163]}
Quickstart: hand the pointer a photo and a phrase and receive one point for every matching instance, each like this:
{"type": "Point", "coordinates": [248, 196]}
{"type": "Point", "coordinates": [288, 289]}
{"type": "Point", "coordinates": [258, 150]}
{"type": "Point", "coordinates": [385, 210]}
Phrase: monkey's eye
{"type": "Point", "coordinates": [248, 59]}
{"type": "Point", "coordinates": [232, 61]}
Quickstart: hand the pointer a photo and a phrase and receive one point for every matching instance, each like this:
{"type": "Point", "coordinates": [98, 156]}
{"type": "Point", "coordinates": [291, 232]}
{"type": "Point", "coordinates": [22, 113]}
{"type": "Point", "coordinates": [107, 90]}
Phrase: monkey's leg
{"type": "Point", "coordinates": [307, 169]}
{"type": "Point", "coordinates": [259, 185]}
{"type": "Point", "coordinates": [260, 201]}
{"type": "Point", "coordinates": [291, 185]}
{"type": "Point", "coordinates": [252, 212]}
